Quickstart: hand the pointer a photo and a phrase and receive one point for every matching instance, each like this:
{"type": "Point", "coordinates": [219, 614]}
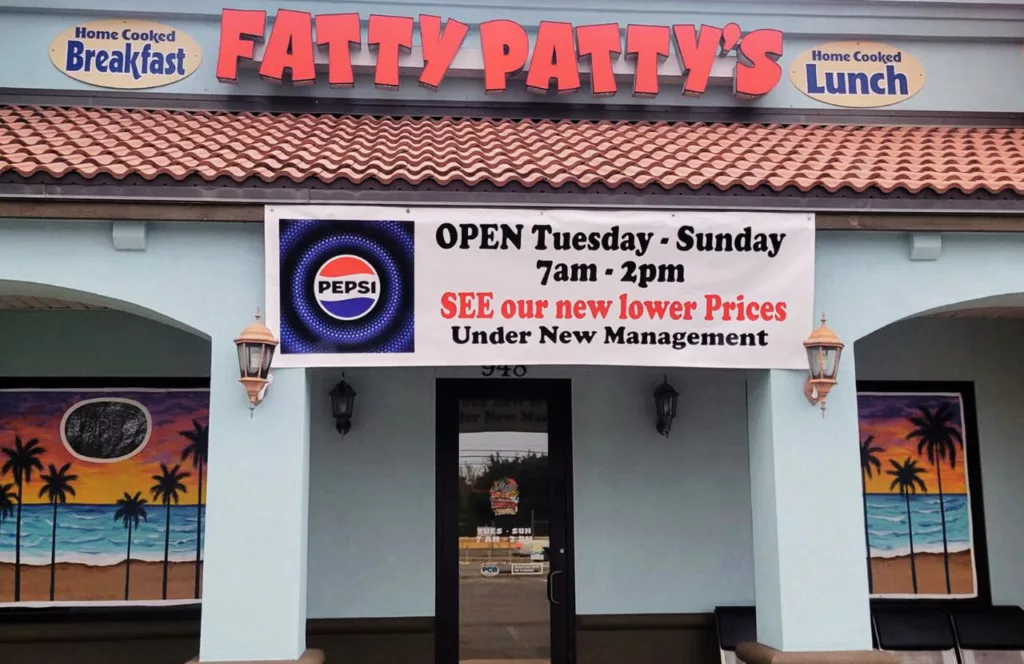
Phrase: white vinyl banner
{"type": "Point", "coordinates": [355, 286]}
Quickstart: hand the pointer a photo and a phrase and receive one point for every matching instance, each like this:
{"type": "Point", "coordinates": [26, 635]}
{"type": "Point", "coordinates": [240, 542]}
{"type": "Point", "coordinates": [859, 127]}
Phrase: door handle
{"type": "Point", "coordinates": [551, 586]}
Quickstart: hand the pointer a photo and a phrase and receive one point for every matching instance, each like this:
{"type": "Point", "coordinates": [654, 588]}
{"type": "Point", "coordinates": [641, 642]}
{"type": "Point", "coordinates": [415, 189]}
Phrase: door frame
{"type": "Point", "coordinates": [449, 391]}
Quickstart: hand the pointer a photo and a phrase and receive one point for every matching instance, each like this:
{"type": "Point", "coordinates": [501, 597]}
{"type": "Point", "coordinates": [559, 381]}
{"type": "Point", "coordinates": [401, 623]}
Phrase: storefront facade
{"type": "Point", "coordinates": [141, 204]}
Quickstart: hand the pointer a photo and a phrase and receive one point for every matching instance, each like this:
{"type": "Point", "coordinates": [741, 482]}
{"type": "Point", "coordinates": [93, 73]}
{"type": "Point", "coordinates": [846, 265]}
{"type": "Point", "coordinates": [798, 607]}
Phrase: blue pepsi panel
{"type": "Point", "coordinates": [347, 286]}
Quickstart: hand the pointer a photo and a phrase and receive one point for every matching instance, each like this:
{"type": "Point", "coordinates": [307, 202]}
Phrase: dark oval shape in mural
{"type": "Point", "coordinates": [106, 429]}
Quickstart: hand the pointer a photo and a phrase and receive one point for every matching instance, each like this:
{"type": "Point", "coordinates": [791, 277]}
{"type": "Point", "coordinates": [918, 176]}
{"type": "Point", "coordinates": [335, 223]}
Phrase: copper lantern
{"type": "Point", "coordinates": [823, 351]}
{"type": "Point", "coordinates": [256, 345]}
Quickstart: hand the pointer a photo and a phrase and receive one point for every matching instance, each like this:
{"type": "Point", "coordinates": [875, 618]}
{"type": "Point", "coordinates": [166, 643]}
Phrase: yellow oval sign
{"type": "Point", "coordinates": [125, 54]}
{"type": "Point", "coordinates": [857, 74]}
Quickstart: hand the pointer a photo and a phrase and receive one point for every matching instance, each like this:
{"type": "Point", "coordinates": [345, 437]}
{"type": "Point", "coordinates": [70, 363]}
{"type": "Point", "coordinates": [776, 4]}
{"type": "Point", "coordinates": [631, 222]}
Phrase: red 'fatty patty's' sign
{"type": "Point", "coordinates": [560, 54]}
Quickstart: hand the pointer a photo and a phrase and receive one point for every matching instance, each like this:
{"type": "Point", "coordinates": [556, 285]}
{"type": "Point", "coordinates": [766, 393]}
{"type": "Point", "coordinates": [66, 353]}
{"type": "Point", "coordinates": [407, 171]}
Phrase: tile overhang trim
{"type": "Point", "coordinates": [135, 190]}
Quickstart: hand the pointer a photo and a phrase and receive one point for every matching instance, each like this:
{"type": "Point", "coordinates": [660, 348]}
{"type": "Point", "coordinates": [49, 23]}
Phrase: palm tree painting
{"type": "Point", "coordinates": [166, 490]}
{"type": "Point", "coordinates": [868, 458]}
{"type": "Point", "coordinates": [57, 486]}
{"type": "Point", "coordinates": [923, 434]}
{"type": "Point", "coordinates": [907, 481]}
{"type": "Point", "coordinates": [7, 498]}
{"type": "Point", "coordinates": [130, 510]}
{"type": "Point", "coordinates": [21, 460]}
{"type": "Point", "coordinates": [938, 435]}
{"type": "Point", "coordinates": [197, 450]}
{"type": "Point", "coordinates": [82, 470]}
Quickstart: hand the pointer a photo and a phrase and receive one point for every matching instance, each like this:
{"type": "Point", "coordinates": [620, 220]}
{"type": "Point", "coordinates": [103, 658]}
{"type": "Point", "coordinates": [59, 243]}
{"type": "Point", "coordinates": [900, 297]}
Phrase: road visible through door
{"type": "Point", "coordinates": [504, 520]}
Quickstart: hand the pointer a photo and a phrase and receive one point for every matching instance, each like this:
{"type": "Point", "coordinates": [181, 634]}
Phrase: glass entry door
{"type": "Point", "coordinates": [504, 590]}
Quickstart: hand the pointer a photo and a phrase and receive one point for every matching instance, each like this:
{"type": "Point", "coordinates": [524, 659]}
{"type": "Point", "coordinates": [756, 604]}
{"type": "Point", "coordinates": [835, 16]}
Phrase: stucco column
{"type": "Point", "coordinates": [254, 577]}
{"type": "Point", "coordinates": [810, 577]}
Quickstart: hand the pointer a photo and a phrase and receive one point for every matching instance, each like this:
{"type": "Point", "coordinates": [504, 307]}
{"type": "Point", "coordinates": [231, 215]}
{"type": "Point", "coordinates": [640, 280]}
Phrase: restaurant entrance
{"type": "Point", "coordinates": [505, 588]}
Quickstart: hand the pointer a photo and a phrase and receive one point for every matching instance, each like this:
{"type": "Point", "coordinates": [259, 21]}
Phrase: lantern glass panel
{"type": "Point", "coordinates": [823, 362]}
{"type": "Point", "coordinates": [341, 402]}
{"type": "Point", "coordinates": [665, 399]}
{"type": "Point", "coordinates": [242, 363]}
{"type": "Point", "coordinates": [254, 358]}
{"type": "Point", "coordinates": [833, 364]}
{"type": "Point", "coordinates": [268, 357]}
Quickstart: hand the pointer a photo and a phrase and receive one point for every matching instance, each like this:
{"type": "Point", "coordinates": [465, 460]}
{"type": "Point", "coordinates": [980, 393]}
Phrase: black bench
{"type": "Point", "coordinates": [990, 635]}
{"type": "Point", "coordinates": [915, 635]}
{"type": "Point", "coordinates": [734, 625]}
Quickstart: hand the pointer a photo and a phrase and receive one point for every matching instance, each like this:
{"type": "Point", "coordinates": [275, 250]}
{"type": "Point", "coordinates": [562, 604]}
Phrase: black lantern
{"type": "Point", "coordinates": [343, 399]}
{"type": "Point", "coordinates": [665, 401]}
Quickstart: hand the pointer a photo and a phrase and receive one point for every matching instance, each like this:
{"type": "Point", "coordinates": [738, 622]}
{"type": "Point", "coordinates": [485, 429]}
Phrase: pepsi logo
{"type": "Point", "coordinates": [347, 287]}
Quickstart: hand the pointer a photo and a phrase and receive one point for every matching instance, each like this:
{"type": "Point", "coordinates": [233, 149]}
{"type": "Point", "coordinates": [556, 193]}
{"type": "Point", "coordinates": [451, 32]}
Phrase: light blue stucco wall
{"type": "Point", "coordinates": [972, 54]}
{"type": "Point", "coordinates": [630, 484]}
{"type": "Point", "coordinates": [208, 277]}
{"type": "Point", "coordinates": [660, 525]}
{"type": "Point", "coordinates": [865, 281]}
{"type": "Point", "coordinates": [690, 483]}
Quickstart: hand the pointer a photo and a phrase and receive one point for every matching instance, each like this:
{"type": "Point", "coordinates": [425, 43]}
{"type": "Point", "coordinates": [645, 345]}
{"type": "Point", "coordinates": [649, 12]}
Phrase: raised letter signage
{"type": "Point", "coordinates": [125, 54]}
{"type": "Point", "coordinates": [857, 74]}
{"type": "Point", "coordinates": [562, 58]}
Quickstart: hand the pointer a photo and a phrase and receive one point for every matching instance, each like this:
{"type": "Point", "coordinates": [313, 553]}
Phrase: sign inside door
{"type": "Point", "coordinates": [482, 415]}
{"type": "Point", "coordinates": [505, 497]}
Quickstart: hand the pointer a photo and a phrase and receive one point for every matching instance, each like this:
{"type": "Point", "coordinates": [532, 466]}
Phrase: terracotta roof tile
{"type": "Point", "coordinates": [60, 141]}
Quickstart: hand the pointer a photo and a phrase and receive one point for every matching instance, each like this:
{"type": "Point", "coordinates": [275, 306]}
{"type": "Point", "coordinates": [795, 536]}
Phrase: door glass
{"type": "Point", "coordinates": [504, 526]}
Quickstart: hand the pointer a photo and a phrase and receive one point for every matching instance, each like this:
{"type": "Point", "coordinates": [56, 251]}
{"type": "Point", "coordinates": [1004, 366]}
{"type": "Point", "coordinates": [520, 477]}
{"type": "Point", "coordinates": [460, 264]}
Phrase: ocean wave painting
{"type": "Point", "coordinates": [89, 535]}
{"type": "Point", "coordinates": [888, 534]}
{"type": "Point", "coordinates": [102, 495]}
{"type": "Point", "coordinates": [917, 495]}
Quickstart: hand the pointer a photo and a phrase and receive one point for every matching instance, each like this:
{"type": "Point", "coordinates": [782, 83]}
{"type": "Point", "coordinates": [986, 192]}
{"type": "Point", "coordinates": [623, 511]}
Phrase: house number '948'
{"type": "Point", "coordinates": [518, 371]}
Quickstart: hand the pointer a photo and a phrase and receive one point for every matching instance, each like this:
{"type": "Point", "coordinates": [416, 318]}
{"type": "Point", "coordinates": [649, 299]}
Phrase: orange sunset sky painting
{"type": "Point", "coordinates": [887, 420]}
{"type": "Point", "coordinates": [37, 414]}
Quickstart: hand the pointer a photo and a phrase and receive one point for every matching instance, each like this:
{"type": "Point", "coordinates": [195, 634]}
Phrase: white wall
{"type": "Point", "coordinates": [661, 526]}
{"type": "Point", "coordinates": [990, 353]}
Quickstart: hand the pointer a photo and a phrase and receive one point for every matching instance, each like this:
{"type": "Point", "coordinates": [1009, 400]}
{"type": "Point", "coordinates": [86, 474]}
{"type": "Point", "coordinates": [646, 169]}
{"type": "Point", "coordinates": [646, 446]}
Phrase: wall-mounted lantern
{"type": "Point", "coordinates": [823, 350]}
{"type": "Point", "coordinates": [256, 345]}
{"type": "Point", "coordinates": [343, 399]}
{"type": "Point", "coordinates": [666, 399]}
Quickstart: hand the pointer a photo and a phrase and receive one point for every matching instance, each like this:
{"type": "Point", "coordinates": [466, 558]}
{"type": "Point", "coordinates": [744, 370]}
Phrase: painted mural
{"type": "Point", "coordinates": [917, 495]}
{"type": "Point", "coordinates": [102, 495]}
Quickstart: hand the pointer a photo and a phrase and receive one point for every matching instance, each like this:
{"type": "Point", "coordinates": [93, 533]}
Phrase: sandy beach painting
{"type": "Point", "coordinates": [917, 495]}
{"type": "Point", "coordinates": [102, 494]}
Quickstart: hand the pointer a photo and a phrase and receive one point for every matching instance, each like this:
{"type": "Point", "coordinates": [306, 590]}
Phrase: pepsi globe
{"type": "Point", "coordinates": [347, 287]}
